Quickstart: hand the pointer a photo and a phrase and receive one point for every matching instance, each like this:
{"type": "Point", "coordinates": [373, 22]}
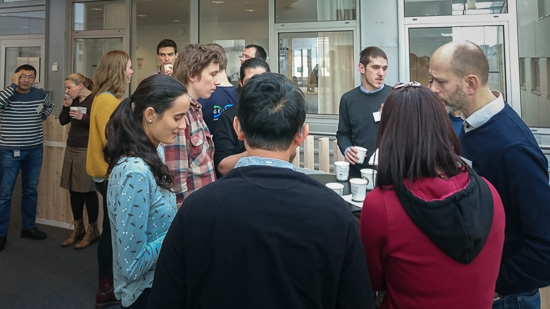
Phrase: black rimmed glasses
{"type": "Point", "coordinates": [414, 84]}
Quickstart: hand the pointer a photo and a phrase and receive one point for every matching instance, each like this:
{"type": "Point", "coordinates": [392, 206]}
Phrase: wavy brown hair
{"type": "Point", "coordinates": [192, 60]}
{"type": "Point", "coordinates": [416, 138]}
{"type": "Point", "coordinates": [111, 74]}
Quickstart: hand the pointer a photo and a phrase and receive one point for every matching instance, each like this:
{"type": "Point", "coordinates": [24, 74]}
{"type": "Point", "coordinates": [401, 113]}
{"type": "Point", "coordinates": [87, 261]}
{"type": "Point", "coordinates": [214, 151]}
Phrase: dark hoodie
{"type": "Point", "coordinates": [458, 224]}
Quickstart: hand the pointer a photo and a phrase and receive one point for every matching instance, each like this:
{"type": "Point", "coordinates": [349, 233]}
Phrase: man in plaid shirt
{"type": "Point", "coordinates": [191, 157]}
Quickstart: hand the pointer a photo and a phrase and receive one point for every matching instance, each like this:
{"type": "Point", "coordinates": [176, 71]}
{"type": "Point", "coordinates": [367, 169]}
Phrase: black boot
{"type": "Point", "coordinates": [106, 293]}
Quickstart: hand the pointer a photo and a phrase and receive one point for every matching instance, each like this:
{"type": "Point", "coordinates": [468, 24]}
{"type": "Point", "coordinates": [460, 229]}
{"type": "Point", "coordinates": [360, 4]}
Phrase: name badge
{"type": "Point", "coordinates": [16, 154]}
{"type": "Point", "coordinates": [377, 116]}
{"type": "Point", "coordinates": [39, 108]}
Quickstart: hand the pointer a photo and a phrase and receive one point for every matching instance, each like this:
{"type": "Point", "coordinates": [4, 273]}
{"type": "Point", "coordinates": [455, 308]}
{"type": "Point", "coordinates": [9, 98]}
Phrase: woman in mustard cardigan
{"type": "Point", "coordinates": [110, 82]}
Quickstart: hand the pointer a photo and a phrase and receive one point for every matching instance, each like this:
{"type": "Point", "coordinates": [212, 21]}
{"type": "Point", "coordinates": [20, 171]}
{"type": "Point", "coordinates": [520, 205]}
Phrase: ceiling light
{"type": "Point", "coordinates": [141, 15]}
{"type": "Point", "coordinates": [175, 20]}
{"type": "Point", "coordinates": [250, 10]}
{"type": "Point", "coordinates": [97, 9]}
{"type": "Point", "coordinates": [218, 2]}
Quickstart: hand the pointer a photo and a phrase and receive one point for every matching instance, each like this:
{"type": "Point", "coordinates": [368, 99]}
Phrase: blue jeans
{"type": "Point", "coordinates": [29, 162]}
{"type": "Point", "coordinates": [526, 300]}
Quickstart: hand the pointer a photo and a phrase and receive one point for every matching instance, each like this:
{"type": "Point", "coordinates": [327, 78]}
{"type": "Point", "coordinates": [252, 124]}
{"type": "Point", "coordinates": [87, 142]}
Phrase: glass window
{"type": "Point", "coordinates": [88, 52]}
{"type": "Point", "coordinates": [424, 41]}
{"type": "Point", "coordinates": [533, 21]}
{"type": "Point", "coordinates": [16, 56]}
{"type": "Point", "coordinates": [33, 22]}
{"type": "Point", "coordinates": [416, 8]}
{"type": "Point", "coordinates": [154, 22]}
{"type": "Point", "coordinates": [535, 76]}
{"type": "Point", "coordinates": [99, 15]}
{"type": "Point", "coordinates": [314, 10]}
{"type": "Point", "coordinates": [522, 79]}
{"type": "Point", "coordinates": [321, 64]}
{"type": "Point", "coordinates": [233, 27]}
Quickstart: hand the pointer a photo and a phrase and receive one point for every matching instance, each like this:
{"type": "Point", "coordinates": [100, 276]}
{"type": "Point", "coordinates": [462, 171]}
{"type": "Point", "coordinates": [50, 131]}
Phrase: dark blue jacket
{"type": "Point", "coordinates": [505, 152]}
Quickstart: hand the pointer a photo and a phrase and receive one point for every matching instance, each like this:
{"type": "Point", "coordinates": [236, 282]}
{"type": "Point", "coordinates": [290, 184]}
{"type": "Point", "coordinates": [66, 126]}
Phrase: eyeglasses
{"type": "Point", "coordinates": [414, 84]}
{"type": "Point", "coordinates": [27, 77]}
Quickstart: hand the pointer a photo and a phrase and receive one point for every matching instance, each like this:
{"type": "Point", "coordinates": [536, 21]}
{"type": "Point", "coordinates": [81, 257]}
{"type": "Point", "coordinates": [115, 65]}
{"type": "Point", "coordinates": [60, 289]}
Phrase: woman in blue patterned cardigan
{"type": "Point", "coordinates": [140, 198]}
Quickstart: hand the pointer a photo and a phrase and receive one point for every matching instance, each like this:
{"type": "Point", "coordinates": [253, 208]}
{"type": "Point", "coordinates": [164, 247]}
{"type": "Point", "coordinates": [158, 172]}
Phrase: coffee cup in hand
{"type": "Point", "coordinates": [361, 153]}
{"type": "Point", "coordinates": [168, 68]}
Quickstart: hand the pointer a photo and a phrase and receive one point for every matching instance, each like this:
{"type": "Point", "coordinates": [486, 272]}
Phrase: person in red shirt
{"type": "Point", "coordinates": [432, 229]}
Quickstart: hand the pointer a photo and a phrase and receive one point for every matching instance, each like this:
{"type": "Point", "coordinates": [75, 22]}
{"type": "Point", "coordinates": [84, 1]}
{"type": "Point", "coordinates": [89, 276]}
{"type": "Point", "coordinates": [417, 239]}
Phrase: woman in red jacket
{"type": "Point", "coordinates": [432, 228]}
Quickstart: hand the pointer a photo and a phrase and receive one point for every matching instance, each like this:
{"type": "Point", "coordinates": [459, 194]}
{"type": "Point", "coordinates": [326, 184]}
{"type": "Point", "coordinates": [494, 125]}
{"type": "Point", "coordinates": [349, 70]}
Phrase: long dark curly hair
{"type": "Point", "coordinates": [124, 131]}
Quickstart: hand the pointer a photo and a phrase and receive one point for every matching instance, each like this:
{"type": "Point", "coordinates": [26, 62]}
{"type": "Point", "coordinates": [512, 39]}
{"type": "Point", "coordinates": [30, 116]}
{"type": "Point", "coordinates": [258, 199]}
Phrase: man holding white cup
{"type": "Point", "coordinates": [167, 52]}
{"type": "Point", "coordinates": [360, 111]}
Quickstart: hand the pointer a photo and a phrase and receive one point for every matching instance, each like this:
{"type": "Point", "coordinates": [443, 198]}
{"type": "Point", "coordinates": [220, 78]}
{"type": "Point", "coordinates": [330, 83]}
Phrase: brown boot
{"type": "Point", "coordinates": [76, 234]}
{"type": "Point", "coordinates": [92, 234]}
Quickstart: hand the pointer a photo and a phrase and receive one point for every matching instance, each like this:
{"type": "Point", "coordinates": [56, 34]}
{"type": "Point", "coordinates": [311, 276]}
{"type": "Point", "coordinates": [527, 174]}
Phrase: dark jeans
{"type": "Point", "coordinates": [526, 300]}
{"type": "Point", "coordinates": [141, 302]}
{"type": "Point", "coordinates": [105, 246]}
{"type": "Point", "coordinates": [29, 161]}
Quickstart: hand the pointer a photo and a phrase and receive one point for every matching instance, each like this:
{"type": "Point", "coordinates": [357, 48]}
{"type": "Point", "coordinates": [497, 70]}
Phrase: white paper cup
{"type": "Point", "coordinates": [74, 108]}
{"type": "Point", "coordinates": [82, 110]}
{"type": "Point", "coordinates": [361, 153]}
{"type": "Point", "coordinates": [369, 175]}
{"type": "Point", "coordinates": [336, 187]}
{"type": "Point", "coordinates": [342, 170]}
{"type": "Point", "coordinates": [168, 67]}
{"type": "Point", "coordinates": [358, 188]}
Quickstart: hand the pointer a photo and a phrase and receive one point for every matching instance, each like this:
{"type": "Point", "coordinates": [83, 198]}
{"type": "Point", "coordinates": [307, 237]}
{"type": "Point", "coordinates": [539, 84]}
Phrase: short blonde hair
{"type": "Point", "coordinates": [111, 73]}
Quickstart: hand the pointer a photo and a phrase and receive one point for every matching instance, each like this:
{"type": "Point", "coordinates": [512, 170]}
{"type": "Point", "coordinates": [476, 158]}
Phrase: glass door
{"type": "Point", "coordinates": [422, 41]}
{"type": "Point", "coordinates": [16, 52]}
{"type": "Point", "coordinates": [321, 63]}
{"type": "Point", "coordinates": [88, 52]}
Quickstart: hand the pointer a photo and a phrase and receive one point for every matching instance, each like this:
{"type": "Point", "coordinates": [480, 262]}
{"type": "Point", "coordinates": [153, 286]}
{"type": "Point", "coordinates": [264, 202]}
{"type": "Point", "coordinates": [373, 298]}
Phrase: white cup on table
{"type": "Point", "coordinates": [341, 169]}
{"type": "Point", "coordinates": [336, 187]}
{"type": "Point", "coordinates": [358, 188]}
{"type": "Point", "coordinates": [369, 175]}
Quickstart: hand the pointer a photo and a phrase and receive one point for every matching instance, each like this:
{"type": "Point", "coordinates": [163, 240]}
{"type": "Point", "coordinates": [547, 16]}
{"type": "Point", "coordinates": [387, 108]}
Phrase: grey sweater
{"type": "Point", "coordinates": [356, 125]}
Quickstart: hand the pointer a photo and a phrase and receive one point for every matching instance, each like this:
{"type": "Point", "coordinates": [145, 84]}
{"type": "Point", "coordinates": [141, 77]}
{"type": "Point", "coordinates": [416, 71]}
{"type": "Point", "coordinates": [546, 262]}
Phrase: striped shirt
{"type": "Point", "coordinates": [191, 157]}
{"type": "Point", "coordinates": [21, 116]}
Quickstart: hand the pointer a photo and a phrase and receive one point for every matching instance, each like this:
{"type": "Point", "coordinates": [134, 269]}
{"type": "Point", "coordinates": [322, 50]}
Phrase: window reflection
{"type": "Point", "coordinates": [314, 10]}
{"type": "Point", "coordinates": [424, 41]}
{"type": "Point", "coordinates": [321, 64]}
{"type": "Point", "coordinates": [23, 23]}
{"type": "Point", "coordinates": [534, 54]}
{"type": "Point", "coordinates": [233, 25]}
{"type": "Point", "coordinates": [88, 52]}
{"type": "Point", "coordinates": [99, 15]}
{"type": "Point", "coordinates": [155, 21]}
{"type": "Point", "coordinates": [415, 8]}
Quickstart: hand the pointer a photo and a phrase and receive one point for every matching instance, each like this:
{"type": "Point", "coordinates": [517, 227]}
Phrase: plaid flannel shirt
{"type": "Point", "coordinates": [191, 157]}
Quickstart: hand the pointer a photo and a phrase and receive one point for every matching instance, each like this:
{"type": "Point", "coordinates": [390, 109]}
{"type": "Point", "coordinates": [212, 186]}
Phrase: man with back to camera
{"type": "Point", "coordinates": [167, 52]}
{"type": "Point", "coordinates": [360, 109]}
{"type": "Point", "coordinates": [264, 235]}
{"type": "Point", "coordinates": [503, 150]}
{"type": "Point", "coordinates": [24, 108]}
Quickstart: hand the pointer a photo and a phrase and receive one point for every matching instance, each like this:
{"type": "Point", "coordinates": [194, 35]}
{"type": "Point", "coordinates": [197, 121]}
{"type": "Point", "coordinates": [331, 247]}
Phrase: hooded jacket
{"type": "Point", "coordinates": [435, 244]}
